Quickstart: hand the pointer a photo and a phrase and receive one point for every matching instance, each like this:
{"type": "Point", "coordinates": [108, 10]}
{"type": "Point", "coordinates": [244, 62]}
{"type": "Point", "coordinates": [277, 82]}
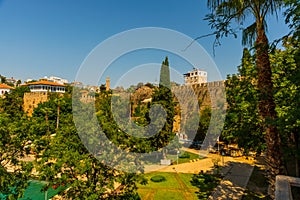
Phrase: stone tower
{"type": "Point", "coordinates": [107, 83]}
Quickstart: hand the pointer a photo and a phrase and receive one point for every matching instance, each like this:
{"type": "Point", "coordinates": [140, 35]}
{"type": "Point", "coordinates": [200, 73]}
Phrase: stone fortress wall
{"type": "Point", "coordinates": [210, 94]}
{"type": "Point", "coordinates": [32, 99]}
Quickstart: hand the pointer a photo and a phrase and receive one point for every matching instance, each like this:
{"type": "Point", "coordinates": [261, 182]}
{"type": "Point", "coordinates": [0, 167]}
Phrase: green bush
{"type": "Point", "coordinates": [158, 178]}
{"type": "Point", "coordinates": [184, 155]}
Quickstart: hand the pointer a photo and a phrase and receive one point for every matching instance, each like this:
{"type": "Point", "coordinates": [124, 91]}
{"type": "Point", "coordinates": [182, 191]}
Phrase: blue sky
{"type": "Point", "coordinates": [53, 37]}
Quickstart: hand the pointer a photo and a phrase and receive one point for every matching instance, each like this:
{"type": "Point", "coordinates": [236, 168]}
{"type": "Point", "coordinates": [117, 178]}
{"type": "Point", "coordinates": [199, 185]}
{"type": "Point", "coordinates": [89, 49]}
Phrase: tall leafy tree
{"type": "Point", "coordinates": [165, 74]}
{"type": "Point", "coordinates": [14, 173]}
{"type": "Point", "coordinates": [224, 13]}
{"type": "Point", "coordinates": [242, 124]}
{"type": "Point", "coordinates": [14, 146]}
{"type": "Point", "coordinates": [193, 123]}
{"type": "Point", "coordinates": [62, 158]}
{"type": "Point", "coordinates": [12, 104]}
{"type": "Point", "coordinates": [163, 96]}
{"type": "Point", "coordinates": [286, 72]}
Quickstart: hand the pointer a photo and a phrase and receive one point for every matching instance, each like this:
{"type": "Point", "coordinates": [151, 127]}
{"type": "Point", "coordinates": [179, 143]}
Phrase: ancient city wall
{"type": "Point", "coordinates": [211, 94]}
{"type": "Point", "coordinates": [32, 99]}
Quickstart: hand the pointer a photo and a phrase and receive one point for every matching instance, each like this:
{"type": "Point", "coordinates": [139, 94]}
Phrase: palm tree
{"type": "Point", "coordinates": [59, 103]}
{"type": "Point", "coordinates": [47, 111]}
{"type": "Point", "coordinates": [224, 13]}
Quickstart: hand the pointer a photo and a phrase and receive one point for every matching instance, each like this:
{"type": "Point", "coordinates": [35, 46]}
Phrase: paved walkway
{"type": "Point", "coordinates": [234, 183]}
{"type": "Point", "coordinates": [205, 164]}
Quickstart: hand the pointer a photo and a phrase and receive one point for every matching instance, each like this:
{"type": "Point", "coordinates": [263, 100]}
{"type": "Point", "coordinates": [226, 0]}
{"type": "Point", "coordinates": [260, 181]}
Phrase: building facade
{"type": "Point", "coordinates": [5, 88]}
{"type": "Point", "coordinates": [196, 76]}
{"type": "Point", "coordinates": [46, 86]}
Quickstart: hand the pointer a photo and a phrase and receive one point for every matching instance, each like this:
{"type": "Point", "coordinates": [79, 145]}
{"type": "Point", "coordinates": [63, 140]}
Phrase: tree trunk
{"type": "Point", "coordinates": [47, 122]}
{"type": "Point", "coordinates": [267, 107]}
{"type": "Point", "coordinates": [57, 119]}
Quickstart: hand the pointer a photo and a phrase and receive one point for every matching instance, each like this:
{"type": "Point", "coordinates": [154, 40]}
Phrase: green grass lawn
{"type": "Point", "coordinates": [176, 186]}
{"type": "Point", "coordinates": [184, 160]}
{"type": "Point", "coordinates": [155, 159]}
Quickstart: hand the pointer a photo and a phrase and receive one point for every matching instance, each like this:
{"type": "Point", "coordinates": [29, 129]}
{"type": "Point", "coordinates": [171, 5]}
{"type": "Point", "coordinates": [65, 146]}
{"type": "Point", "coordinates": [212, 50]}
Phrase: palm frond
{"type": "Point", "coordinates": [213, 4]}
{"type": "Point", "coordinates": [249, 35]}
{"type": "Point", "coordinates": [225, 12]}
{"type": "Point", "coordinates": [271, 7]}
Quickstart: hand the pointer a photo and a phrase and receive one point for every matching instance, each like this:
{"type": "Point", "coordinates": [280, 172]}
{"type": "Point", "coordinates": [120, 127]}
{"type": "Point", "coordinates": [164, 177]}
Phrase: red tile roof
{"type": "Point", "coordinates": [4, 86]}
{"type": "Point", "coordinates": [45, 83]}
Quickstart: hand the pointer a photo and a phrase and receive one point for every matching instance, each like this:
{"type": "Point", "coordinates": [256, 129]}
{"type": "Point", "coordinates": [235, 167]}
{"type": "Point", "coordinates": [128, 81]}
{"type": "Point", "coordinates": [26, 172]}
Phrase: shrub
{"type": "Point", "coordinates": [184, 155]}
{"type": "Point", "coordinates": [158, 178]}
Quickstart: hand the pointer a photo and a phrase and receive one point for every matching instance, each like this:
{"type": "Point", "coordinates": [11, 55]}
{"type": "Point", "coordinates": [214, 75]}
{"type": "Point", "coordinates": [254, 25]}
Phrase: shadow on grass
{"type": "Point", "coordinates": [206, 182]}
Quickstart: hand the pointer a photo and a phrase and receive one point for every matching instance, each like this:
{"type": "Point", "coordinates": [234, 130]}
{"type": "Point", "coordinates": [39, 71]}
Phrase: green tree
{"type": "Point", "coordinates": [224, 13]}
{"type": "Point", "coordinates": [165, 74]}
{"type": "Point", "coordinates": [163, 97]}
{"type": "Point", "coordinates": [14, 146]}
{"type": "Point", "coordinates": [14, 173]}
{"type": "Point", "coordinates": [205, 118]}
{"type": "Point", "coordinates": [243, 125]}
{"type": "Point", "coordinates": [286, 69]}
{"type": "Point", "coordinates": [62, 158]}
{"type": "Point", "coordinates": [12, 104]}
{"type": "Point", "coordinates": [3, 79]}
{"type": "Point", "coordinates": [193, 123]}
{"type": "Point", "coordinates": [292, 14]}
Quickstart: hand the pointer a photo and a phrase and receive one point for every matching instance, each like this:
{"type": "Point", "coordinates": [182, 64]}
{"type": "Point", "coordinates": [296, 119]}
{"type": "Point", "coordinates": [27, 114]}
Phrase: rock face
{"type": "Point", "coordinates": [142, 94]}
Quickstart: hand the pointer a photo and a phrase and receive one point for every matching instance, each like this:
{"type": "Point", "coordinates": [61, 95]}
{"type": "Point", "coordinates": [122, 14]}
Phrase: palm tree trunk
{"type": "Point", "coordinates": [267, 107]}
{"type": "Point", "coordinates": [57, 119]}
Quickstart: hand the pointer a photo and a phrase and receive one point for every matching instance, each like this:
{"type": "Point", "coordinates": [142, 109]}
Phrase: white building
{"type": "Point", "coordinates": [5, 88]}
{"type": "Point", "coordinates": [46, 86]}
{"type": "Point", "coordinates": [196, 76]}
{"type": "Point", "coordinates": [12, 81]}
{"type": "Point", "coordinates": [57, 80]}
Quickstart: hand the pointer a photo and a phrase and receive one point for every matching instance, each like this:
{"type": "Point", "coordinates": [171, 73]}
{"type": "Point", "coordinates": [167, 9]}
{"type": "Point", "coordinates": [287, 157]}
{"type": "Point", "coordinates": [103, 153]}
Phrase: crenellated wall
{"type": "Point", "coordinates": [211, 94]}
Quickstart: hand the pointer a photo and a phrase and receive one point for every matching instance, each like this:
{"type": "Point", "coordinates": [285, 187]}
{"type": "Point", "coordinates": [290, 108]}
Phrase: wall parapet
{"type": "Point", "coordinates": [283, 187]}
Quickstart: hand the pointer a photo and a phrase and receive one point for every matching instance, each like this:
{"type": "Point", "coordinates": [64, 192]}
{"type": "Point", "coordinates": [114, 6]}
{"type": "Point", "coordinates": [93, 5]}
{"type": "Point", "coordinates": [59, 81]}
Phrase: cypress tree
{"type": "Point", "coordinates": [165, 74]}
